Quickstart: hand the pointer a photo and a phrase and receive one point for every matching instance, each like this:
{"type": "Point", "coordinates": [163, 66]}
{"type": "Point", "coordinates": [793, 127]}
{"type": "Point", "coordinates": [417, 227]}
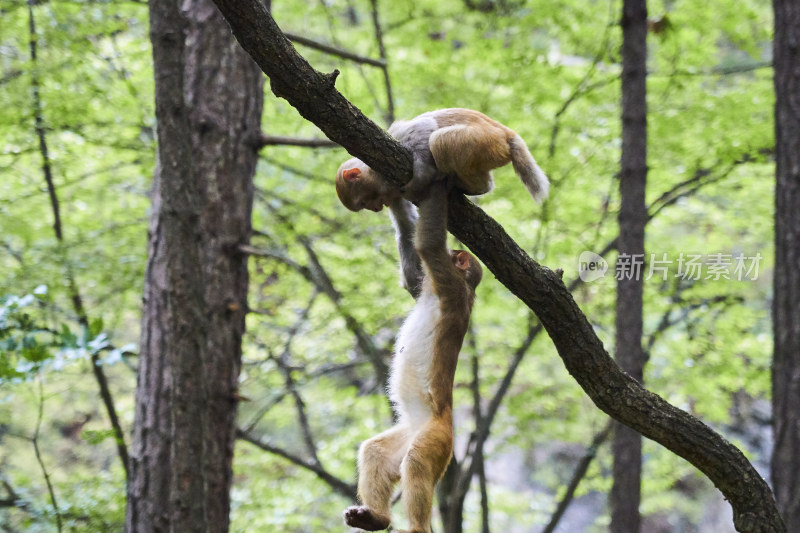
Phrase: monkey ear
{"type": "Point", "coordinates": [462, 260]}
{"type": "Point", "coordinates": [351, 174]}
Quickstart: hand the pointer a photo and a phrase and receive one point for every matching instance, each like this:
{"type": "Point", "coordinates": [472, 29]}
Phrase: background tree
{"type": "Point", "coordinates": [626, 445]}
{"type": "Point", "coordinates": [208, 107]}
{"type": "Point", "coordinates": [786, 298]}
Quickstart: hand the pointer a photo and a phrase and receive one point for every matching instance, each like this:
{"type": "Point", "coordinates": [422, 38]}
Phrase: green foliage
{"type": "Point", "coordinates": [22, 346]}
{"type": "Point", "coordinates": [548, 69]}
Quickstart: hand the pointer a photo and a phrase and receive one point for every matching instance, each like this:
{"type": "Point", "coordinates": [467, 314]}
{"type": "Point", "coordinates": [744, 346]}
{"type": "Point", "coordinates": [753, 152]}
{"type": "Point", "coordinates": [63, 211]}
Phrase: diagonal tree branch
{"type": "Point", "coordinates": [577, 476]}
{"type": "Point", "coordinates": [345, 489]}
{"type": "Point", "coordinates": [623, 398]}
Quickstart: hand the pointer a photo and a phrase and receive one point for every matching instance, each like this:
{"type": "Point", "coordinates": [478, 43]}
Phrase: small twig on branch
{"type": "Point", "coordinates": [275, 140]}
{"type": "Point", "coordinates": [365, 79]}
{"type": "Point", "coordinates": [332, 50]}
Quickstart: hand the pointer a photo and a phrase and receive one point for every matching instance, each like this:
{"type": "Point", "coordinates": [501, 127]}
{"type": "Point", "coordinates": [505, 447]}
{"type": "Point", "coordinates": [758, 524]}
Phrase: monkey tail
{"type": "Point", "coordinates": [528, 171]}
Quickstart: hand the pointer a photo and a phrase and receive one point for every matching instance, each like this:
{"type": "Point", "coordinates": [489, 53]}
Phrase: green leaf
{"type": "Point", "coordinates": [95, 437]}
{"type": "Point", "coordinates": [96, 326]}
{"type": "Point", "coordinates": [35, 352]}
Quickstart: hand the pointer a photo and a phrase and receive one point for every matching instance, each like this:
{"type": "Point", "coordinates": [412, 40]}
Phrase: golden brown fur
{"type": "Point", "coordinates": [461, 144]}
{"type": "Point", "coordinates": [468, 144]}
{"type": "Point", "coordinates": [417, 450]}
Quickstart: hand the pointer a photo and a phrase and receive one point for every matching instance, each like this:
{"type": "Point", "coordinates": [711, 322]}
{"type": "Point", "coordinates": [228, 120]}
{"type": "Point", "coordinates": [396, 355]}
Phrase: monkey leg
{"type": "Point", "coordinates": [470, 152]}
{"type": "Point", "coordinates": [423, 465]}
{"type": "Point", "coordinates": [378, 470]}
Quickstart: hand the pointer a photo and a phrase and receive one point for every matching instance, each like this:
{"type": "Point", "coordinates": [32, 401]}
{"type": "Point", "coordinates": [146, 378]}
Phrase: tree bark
{"type": "Point", "coordinates": [208, 106]}
{"type": "Point", "coordinates": [314, 96]}
{"type": "Point", "coordinates": [626, 447]}
{"type": "Point", "coordinates": [786, 302]}
{"type": "Point", "coordinates": [225, 92]}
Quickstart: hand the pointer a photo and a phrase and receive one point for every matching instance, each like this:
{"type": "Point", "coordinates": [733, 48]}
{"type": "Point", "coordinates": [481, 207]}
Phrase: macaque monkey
{"type": "Point", "coordinates": [418, 448]}
{"type": "Point", "coordinates": [461, 144]}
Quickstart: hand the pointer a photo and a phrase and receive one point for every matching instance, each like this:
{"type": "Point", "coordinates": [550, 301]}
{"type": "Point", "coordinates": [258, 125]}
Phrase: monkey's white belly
{"type": "Point", "coordinates": [409, 383]}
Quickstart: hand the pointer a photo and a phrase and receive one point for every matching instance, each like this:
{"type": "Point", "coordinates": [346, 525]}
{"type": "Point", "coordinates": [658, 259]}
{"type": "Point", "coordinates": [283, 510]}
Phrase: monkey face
{"type": "Point", "coordinates": [467, 266]}
{"type": "Point", "coordinates": [358, 187]}
{"type": "Point", "coordinates": [369, 200]}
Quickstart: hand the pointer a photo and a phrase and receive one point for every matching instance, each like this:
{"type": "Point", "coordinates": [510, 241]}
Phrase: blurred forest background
{"type": "Point", "coordinates": [77, 93]}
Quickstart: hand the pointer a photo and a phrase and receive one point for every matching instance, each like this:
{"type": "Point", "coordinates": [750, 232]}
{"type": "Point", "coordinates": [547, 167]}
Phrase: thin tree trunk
{"type": "Point", "coordinates": [208, 106]}
{"type": "Point", "coordinates": [786, 303]}
{"type": "Point", "coordinates": [627, 443]}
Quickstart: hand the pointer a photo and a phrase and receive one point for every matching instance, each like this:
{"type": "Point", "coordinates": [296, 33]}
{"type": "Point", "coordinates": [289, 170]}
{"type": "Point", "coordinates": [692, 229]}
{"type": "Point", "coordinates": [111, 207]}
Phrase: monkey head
{"type": "Point", "coordinates": [359, 187]}
{"type": "Point", "coordinates": [467, 266]}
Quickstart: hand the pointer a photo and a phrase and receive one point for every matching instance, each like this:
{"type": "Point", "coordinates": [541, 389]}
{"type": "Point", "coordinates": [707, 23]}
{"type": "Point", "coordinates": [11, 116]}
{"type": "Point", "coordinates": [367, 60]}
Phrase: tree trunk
{"type": "Point", "coordinates": [786, 303]}
{"type": "Point", "coordinates": [208, 106]}
{"type": "Point", "coordinates": [627, 444]}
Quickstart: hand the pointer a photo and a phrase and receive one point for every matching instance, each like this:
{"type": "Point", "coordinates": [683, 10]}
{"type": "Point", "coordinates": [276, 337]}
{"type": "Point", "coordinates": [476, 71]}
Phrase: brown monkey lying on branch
{"type": "Point", "coordinates": [462, 144]}
{"type": "Point", "coordinates": [418, 448]}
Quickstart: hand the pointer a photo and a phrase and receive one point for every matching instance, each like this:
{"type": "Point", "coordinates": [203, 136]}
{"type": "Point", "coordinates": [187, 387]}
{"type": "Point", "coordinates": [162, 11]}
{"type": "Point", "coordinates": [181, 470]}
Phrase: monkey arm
{"type": "Point", "coordinates": [404, 219]}
{"type": "Point", "coordinates": [431, 242]}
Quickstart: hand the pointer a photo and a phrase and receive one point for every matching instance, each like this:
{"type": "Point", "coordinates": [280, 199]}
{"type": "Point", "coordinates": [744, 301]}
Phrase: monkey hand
{"type": "Point", "coordinates": [414, 191]}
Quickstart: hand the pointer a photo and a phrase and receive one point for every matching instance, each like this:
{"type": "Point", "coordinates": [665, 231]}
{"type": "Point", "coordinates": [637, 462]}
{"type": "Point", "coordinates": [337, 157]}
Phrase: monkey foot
{"type": "Point", "coordinates": [362, 518]}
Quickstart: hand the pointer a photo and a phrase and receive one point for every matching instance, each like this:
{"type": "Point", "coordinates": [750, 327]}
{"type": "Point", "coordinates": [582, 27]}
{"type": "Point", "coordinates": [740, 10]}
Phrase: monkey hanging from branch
{"type": "Point", "coordinates": [451, 148]}
{"type": "Point", "coordinates": [462, 144]}
{"type": "Point", "coordinates": [418, 448]}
